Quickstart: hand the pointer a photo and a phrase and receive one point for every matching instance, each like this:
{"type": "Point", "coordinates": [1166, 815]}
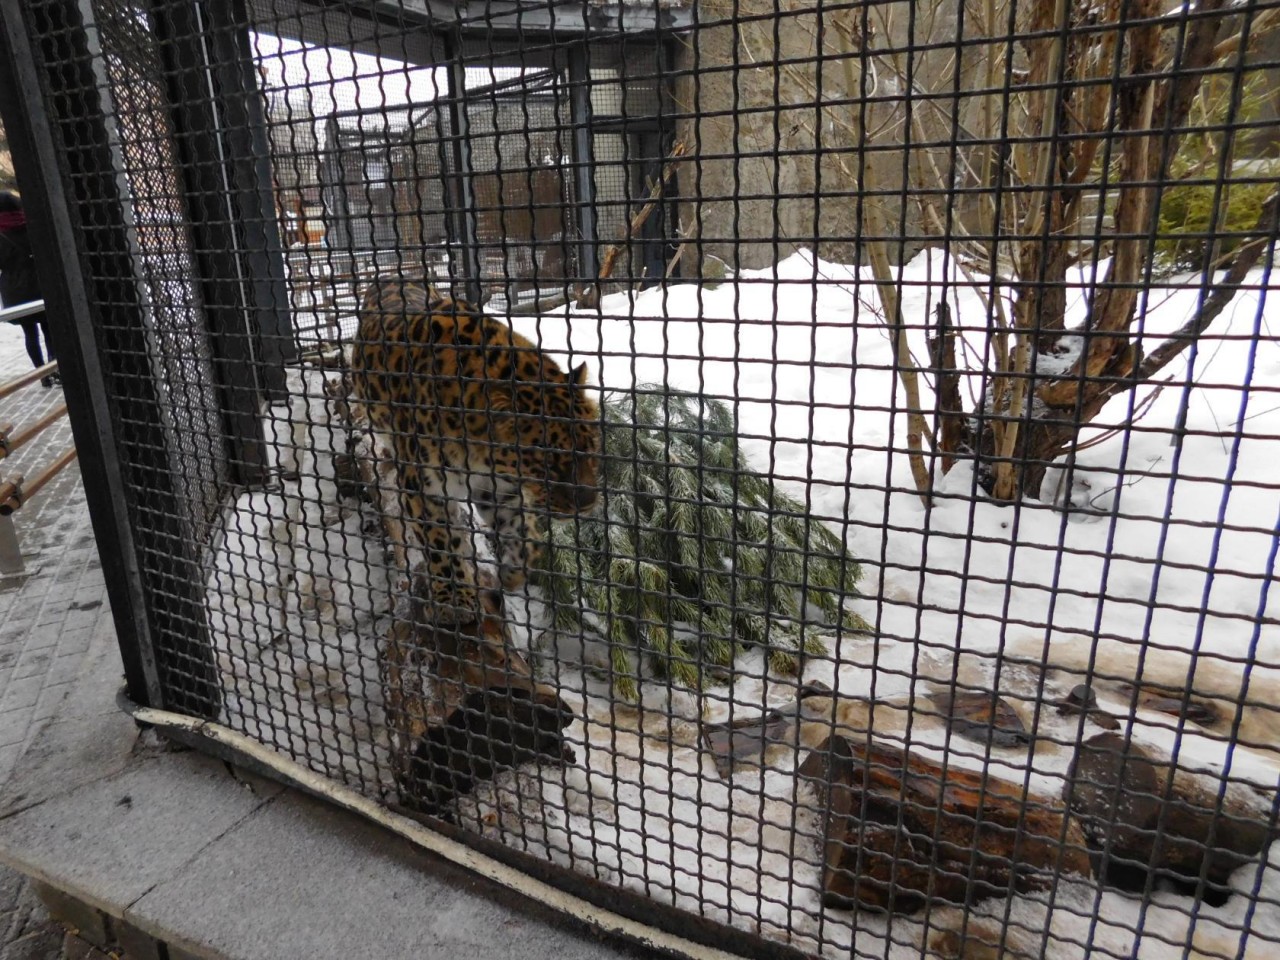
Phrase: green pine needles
{"type": "Point", "coordinates": [1210, 206]}
{"type": "Point", "coordinates": [692, 556]}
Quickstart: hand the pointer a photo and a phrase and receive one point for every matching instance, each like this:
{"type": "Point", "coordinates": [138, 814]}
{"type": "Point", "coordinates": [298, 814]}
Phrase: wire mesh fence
{"type": "Point", "coordinates": [806, 465]}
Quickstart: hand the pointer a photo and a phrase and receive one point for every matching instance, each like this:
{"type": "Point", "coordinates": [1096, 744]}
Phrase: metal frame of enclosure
{"type": "Point", "coordinates": [847, 430]}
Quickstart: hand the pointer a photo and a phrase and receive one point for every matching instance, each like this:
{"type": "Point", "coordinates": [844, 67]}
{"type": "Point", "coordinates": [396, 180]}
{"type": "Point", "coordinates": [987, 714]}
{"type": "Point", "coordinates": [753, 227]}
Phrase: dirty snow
{"type": "Point", "coordinates": [300, 591]}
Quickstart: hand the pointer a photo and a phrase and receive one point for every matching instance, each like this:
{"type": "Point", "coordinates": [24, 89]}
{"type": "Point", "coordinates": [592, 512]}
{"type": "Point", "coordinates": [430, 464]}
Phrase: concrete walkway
{"type": "Point", "coordinates": [47, 618]}
{"type": "Point", "coordinates": [153, 852]}
{"type": "Point", "coordinates": [48, 614]}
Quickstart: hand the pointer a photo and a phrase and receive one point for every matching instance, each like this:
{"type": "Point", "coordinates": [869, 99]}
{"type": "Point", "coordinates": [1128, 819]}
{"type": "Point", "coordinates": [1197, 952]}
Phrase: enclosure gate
{"type": "Point", "coordinates": [907, 591]}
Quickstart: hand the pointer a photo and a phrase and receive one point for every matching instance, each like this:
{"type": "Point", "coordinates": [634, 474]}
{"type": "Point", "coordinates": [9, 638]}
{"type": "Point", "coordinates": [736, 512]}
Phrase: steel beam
{"type": "Point", "coordinates": [86, 274]}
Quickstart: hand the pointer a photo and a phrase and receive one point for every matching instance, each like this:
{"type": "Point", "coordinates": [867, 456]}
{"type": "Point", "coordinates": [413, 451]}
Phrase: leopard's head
{"type": "Point", "coordinates": [547, 434]}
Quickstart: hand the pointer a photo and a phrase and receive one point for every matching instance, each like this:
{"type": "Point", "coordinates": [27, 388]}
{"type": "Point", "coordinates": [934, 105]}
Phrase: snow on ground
{"type": "Point", "coordinates": [815, 394]}
{"type": "Point", "coordinates": [300, 592]}
{"type": "Point", "coordinates": [297, 591]}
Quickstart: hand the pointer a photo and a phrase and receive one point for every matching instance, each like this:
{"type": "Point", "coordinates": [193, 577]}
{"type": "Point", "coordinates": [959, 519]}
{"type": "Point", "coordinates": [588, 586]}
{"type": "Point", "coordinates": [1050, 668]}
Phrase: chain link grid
{"type": "Point", "coordinates": [895, 579]}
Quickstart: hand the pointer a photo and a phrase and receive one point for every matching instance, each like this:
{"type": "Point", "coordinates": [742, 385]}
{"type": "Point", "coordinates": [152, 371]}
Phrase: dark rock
{"type": "Point", "coordinates": [492, 730]}
{"type": "Point", "coordinates": [1082, 700]}
{"type": "Point", "coordinates": [1142, 814]}
{"type": "Point", "coordinates": [1082, 697]}
{"type": "Point", "coordinates": [1174, 703]}
{"type": "Point", "coordinates": [347, 478]}
{"type": "Point", "coordinates": [462, 702]}
{"type": "Point", "coordinates": [732, 743]}
{"type": "Point", "coordinates": [748, 738]}
{"type": "Point", "coordinates": [984, 717]}
{"type": "Point", "coordinates": [1112, 788]}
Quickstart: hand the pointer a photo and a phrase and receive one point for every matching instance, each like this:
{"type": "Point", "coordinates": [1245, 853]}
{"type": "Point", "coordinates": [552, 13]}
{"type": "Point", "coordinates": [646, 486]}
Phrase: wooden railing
{"type": "Point", "coordinates": [17, 490]}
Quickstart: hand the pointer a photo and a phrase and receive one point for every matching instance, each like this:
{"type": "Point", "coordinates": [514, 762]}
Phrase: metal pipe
{"type": "Point", "coordinates": [21, 310]}
{"type": "Point", "coordinates": [39, 373]}
{"type": "Point", "coordinates": [9, 444]}
{"type": "Point", "coordinates": [11, 562]}
{"type": "Point", "coordinates": [584, 181]}
{"type": "Point", "coordinates": [465, 229]}
{"type": "Point", "coordinates": [13, 494]}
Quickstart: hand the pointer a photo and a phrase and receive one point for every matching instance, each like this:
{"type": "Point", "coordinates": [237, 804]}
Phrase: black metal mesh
{"type": "Point", "coordinates": [178, 345]}
{"type": "Point", "coordinates": [516, 134]}
{"type": "Point", "coordinates": [906, 590]}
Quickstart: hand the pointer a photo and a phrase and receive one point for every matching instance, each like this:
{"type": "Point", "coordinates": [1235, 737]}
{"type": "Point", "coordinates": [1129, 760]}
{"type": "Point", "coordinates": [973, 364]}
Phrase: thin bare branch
{"type": "Point", "coordinates": [658, 188]}
{"type": "Point", "coordinates": [1245, 258]}
{"type": "Point", "coordinates": [887, 286]}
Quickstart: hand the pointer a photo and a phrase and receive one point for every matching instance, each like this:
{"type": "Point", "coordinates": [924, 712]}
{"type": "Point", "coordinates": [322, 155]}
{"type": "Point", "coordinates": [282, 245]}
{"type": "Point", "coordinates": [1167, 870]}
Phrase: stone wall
{"type": "Point", "coordinates": [775, 164]}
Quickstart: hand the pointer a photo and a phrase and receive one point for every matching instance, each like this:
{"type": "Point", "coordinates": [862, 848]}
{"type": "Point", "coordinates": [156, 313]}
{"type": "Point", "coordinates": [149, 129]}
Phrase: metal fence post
{"type": "Point", "coordinates": [11, 561]}
{"type": "Point", "coordinates": [332, 174]}
{"type": "Point", "coordinates": [658, 230]}
{"type": "Point", "coordinates": [75, 210]}
{"type": "Point", "coordinates": [217, 201]}
{"type": "Point", "coordinates": [249, 146]}
{"type": "Point", "coordinates": [462, 209]}
{"type": "Point", "coordinates": [583, 167]}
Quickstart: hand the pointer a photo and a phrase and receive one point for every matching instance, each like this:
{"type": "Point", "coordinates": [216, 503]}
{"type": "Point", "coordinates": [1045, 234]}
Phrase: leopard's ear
{"type": "Point", "coordinates": [578, 376]}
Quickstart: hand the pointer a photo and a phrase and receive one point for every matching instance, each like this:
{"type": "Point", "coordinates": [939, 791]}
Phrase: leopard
{"type": "Point", "coordinates": [471, 412]}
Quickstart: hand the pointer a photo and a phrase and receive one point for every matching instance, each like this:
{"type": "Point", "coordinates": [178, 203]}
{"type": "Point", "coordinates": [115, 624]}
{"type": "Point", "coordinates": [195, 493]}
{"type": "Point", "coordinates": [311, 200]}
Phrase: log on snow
{"type": "Point", "coordinates": [898, 833]}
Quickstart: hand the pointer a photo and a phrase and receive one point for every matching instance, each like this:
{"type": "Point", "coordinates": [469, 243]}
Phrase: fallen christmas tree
{"type": "Point", "coordinates": [693, 556]}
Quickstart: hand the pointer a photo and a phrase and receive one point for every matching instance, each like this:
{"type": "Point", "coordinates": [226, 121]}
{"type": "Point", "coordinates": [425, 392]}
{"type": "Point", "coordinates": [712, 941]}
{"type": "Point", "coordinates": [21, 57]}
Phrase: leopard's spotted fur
{"type": "Point", "coordinates": [471, 411]}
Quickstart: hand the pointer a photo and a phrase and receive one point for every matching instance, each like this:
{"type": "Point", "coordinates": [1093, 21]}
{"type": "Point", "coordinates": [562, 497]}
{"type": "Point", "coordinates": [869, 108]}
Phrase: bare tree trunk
{"type": "Point", "coordinates": [1147, 103]}
{"type": "Point", "coordinates": [1053, 433]}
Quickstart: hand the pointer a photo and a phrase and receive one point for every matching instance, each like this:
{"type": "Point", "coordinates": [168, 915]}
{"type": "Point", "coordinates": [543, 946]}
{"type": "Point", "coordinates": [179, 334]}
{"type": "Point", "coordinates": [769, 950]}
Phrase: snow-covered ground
{"type": "Point", "coordinates": [815, 391]}
{"type": "Point", "coordinates": [1175, 556]}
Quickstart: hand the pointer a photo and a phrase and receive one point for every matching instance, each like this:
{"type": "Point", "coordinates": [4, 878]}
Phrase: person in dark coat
{"type": "Point", "coordinates": [18, 283]}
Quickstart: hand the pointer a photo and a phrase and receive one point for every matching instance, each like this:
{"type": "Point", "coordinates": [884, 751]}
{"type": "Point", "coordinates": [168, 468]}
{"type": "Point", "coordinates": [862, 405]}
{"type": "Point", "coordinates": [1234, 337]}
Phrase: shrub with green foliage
{"type": "Point", "coordinates": [1187, 209]}
{"type": "Point", "coordinates": [1187, 215]}
{"type": "Point", "coordinates": [692, 556]}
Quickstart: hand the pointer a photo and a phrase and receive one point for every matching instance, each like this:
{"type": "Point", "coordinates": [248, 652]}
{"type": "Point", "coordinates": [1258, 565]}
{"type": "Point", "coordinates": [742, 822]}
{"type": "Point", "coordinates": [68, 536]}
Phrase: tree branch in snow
{"type": "Point", "coordinates": [1244, 260]}
{"type": "Point", "coordinates": [1125, 88]}
{"type": "Point", "coordinates": [874, 233]}
{"type": "Point", "coordinates": [1054, 436]}
{"type": "Point", "coordinates": [951, 415]}
{"type": "Point", "coordinates": [1263, 24]}
{"type": "Point", "coordinates": [1140, 411]}
{"type": "Point", "coordinates": [886, 284]}
{"type": "Point", "coordinates": [1142, 106]}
